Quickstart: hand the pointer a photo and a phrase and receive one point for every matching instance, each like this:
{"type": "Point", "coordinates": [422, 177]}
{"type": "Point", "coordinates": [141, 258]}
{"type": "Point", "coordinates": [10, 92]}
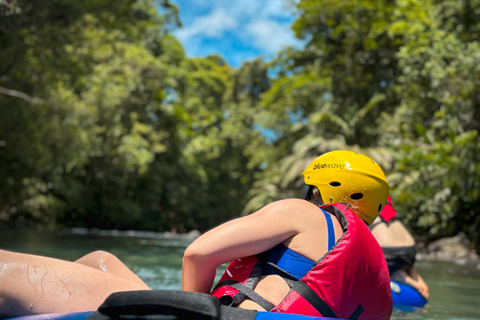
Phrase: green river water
{"type": "Point", "coordinates": [157, 259]}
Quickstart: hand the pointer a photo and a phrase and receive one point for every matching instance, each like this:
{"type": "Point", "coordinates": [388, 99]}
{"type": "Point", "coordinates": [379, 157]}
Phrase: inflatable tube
{"type": "Point", "coordinates": [85, 315]}
{"type": "Point", "coordinates": [57, 316]}
{"type": "Point", "coordinates": [405, 296]}
{"type": "Point", "coordinates": [165, 304]}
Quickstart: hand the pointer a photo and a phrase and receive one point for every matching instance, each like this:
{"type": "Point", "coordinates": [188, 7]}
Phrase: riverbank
{"type": "Point", "coordinates": [457, 249]}
{"type": "Point", "coordinates": [135, 233]}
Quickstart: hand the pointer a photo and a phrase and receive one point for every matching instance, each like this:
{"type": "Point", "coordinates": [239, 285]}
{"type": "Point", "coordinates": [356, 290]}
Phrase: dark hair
{"type": "Point", "coordinates": [313, 195]}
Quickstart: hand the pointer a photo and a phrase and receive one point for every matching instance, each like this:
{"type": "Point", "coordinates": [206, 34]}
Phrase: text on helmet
{"type": "Point", "coordinates": [329, 166]}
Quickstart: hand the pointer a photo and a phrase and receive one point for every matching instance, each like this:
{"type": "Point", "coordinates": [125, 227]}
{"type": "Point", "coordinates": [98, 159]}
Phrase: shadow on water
{"type": "Point", "coordinates": [157, 259]}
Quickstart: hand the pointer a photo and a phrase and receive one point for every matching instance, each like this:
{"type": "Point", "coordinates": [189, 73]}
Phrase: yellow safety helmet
{"type": "Point", "coordinates": [346, 176]}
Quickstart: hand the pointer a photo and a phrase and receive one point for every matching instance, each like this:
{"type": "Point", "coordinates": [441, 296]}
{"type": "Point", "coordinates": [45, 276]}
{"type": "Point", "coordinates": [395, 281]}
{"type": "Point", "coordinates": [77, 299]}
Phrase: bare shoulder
{"type": "Point", "coordinates": [291, 206]}
{"type": "Point", "coordinates": [298, 212]}
{"type": "Point", "coordinates": [310, 223]}
{"type": "Point", "coordinates": [393, 234]}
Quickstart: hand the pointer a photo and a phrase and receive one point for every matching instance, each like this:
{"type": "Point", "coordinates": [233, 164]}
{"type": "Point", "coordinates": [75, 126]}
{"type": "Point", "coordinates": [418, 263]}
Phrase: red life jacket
{"type": "Point", "coordinates": [388, 212]}
{"type": "Point", "coordinates": [350, 281]}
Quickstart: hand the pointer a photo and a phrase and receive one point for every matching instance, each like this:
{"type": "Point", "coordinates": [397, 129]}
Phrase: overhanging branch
{"type": "Point", "coordinates": [19, 94]}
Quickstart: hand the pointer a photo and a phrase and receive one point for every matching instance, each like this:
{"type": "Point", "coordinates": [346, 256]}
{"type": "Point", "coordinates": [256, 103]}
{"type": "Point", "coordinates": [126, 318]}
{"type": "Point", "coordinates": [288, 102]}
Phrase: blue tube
{"type": "Point", "coordinates": [404, 298]}
{"type": "Point", "coordinates": [405, 295]}
{"type": "Point", "coordinates": [84, 315]}
{"type": "Point", "coordinates": [57, 316]}
{"type": "Point", "coordinates": [262, 315]}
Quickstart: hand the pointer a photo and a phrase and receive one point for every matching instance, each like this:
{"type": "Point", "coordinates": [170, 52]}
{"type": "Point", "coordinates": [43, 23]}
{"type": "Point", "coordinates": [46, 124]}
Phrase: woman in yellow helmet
{"type": "Point", "coordinates": [314, 257]}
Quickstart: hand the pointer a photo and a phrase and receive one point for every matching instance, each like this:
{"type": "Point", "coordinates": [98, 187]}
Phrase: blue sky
{"type": "Point", "coordinates": [237, 30]}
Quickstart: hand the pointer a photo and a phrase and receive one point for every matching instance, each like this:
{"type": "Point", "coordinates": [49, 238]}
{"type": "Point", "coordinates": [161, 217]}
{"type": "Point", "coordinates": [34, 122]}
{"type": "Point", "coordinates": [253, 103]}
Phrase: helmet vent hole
{"type": "Point", "coordinates": [380, 207]}
{"type": "Point", "coordinates": [356, 196]}
{"type": "Point", "coordinates": [335, 184]}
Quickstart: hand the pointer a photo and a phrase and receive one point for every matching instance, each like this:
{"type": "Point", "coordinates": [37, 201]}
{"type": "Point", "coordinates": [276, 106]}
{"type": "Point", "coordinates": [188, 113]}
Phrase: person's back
{"type": "Point", "coordinates": [309, 242]}
{"type": "Point", "coordinates": [351, 279]}
{"type": "Point", "coordinates": [399, 248]}
{"type": "Point", "coordinates": [393, 234]}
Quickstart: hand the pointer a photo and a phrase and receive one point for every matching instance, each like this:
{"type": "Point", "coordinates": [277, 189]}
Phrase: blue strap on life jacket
{"type": "Point", "coordinates": [331, 232]}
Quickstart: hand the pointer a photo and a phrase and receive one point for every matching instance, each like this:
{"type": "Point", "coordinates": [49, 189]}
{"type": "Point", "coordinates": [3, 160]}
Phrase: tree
{"type": "Point", "coordinates": [330, 94]}
{"type": "Point", "coordinates": [95, 85]}
{"type": "Point", "coordinates": [434, 130]}
{"type": "Point", "coordinates": [394, 81]}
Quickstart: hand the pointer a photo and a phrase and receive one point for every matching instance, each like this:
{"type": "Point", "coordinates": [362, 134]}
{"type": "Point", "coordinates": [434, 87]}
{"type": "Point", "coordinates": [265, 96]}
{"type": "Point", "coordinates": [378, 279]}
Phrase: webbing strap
{"type": "Point", "coordinates": [255, 297]}
{"type": "Point", "coordinates": [308, 294]}
{"type": "Point", "coordinates": [357, 312]}
{"type": "Point", "coordinates": [282, 273]}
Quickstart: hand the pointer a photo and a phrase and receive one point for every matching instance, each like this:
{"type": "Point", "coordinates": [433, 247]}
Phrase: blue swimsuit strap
{"type": "Point", "coordinates": [293, 262]}
{"type": "Point", "coordinates": [331, 232]}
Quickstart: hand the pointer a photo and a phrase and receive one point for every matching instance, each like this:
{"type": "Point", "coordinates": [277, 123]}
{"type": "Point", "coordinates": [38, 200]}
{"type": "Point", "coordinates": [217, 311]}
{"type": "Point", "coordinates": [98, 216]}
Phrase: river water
{"type": "Point", "coordinates": [157, 259]}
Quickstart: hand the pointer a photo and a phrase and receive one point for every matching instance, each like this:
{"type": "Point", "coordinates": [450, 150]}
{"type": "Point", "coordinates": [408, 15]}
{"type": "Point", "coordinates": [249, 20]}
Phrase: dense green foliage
{"type": "Point", "coordinates": [106, 123]}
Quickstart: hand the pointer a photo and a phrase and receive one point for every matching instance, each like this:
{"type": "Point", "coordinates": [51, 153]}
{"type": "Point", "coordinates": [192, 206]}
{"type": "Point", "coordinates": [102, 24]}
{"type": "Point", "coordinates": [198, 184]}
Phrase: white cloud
{"type": "Point", "coordinates": [250, 27]}
{"type": "Point", "coordinates": [213, 25]}
{"type": "Point", "coordinates": [272, 9]}
{"type": "Point", "coordinates": [269, 35]}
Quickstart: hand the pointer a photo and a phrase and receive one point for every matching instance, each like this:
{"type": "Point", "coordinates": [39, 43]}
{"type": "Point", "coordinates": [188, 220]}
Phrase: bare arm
{"type": "Point", "coordinates": [238, 238]}
{"type": "Point", "coordinates": [413, 279]}
{"type": "Point", "coordinates": [420, 283]}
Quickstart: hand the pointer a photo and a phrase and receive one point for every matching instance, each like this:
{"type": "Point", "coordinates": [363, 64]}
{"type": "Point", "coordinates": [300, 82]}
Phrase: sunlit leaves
{"type": "Point", "coordinates": [105, 121]}
{"type": "Point", "coordinates": [90, 67]}
{"type": "Point", "coordinates": [437, 129]}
